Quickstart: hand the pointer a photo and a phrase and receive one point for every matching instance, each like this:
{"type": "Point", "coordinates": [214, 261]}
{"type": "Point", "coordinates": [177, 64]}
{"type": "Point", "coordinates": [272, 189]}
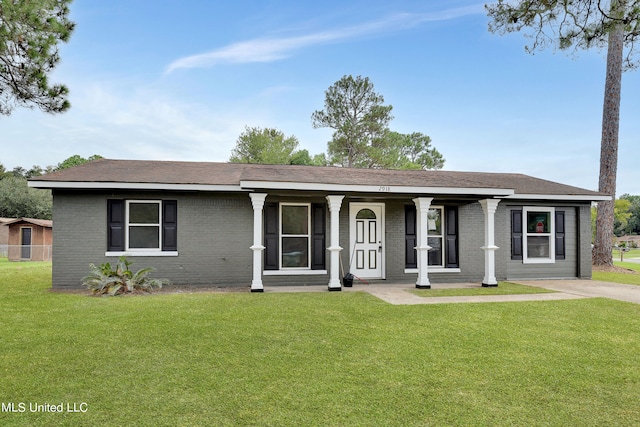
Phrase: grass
{"type": "Point", "coordinates": [503, 288]}
{"type": "Point", "coordinates": [329, 359]}
{"type": "Point", "coordinates": [633, 253]}
{"type": "Point", "coordinates": [631, 279]}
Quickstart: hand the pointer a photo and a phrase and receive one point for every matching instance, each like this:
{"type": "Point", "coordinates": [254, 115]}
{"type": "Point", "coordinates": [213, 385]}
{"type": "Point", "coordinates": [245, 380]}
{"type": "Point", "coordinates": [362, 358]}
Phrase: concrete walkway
{"type": "Point", "coordinates": [590, 289]}
{"type": "Point", "coordinates": [399, 294]}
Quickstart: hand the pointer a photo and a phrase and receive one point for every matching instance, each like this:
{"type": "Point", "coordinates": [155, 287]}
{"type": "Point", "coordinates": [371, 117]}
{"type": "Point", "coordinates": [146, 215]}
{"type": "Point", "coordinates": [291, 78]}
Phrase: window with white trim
{"type": "Point", "coordinates": [144, 219]}
{"type": "Point", "coordinates": [538, 241]}
{"type": "Point", "coordinates": [295, 235]}
{"type": "Point", "coordinates": [441, 233]}
{"type": "Point", "coordinates": [435, 237]}
{"type": "Point", "coordinates": [146, 227]}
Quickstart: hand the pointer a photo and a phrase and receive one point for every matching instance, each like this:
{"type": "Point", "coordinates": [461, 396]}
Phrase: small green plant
{"type": "Point", "coordinates": [107, 280]}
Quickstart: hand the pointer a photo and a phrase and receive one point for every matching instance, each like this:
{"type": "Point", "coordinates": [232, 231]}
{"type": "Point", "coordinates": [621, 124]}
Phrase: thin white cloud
{"type": "Point", "coordinates": [270, 49]}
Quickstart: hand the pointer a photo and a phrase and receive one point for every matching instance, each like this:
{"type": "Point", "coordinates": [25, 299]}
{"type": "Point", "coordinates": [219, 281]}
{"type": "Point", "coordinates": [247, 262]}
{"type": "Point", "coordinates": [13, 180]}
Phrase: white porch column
{"type": "Point", "coordinates": [257, 200]}
{"type": "Point", "coordinates": [489, 207]}
{"type": "Point", "coordinates": [422, 218]}
{"type": "Point", "coordinates": [334, 244]}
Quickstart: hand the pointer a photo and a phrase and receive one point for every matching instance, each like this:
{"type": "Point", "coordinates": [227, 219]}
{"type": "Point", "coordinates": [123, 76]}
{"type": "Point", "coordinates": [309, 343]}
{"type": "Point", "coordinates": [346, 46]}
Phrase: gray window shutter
{"type": "Point", "coordinates": [560, 234]}
{"type": "Point", "coordinates": [170, 225]}
{"type": "Point", "coordinates": [516, 234]}
{"type": "Point", "coordinates": [115, 225]}
{"type": "Point", "coordinates": [451, 237]}
{"type": "Point", "coordinates": [271, 236]}
{"type": "Point", "coordinates": [410, 237]}
{"type": "Point", "coordinates": [318, 232]}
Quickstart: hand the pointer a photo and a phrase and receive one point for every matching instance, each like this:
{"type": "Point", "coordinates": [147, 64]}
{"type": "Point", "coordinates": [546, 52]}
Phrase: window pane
{"type": "Point", "coordinates": [538, 246]}
{"type": "Point", "coordinates": [366, 214]}
{"type": "Point", "coordinates": [538, 222]}
{"type": "Point", "coordinates": [144, 237]}
{"type": "Point", "coordinates": [295, 252]}
{"type": "Point", "coordinates": [295, 219]}
{"type": "Point", "coordinates": [144, 213]}
{"type": "Point", "coordinates": [434, 222]}
{"type": "Point", "coordinates": [435, 253]}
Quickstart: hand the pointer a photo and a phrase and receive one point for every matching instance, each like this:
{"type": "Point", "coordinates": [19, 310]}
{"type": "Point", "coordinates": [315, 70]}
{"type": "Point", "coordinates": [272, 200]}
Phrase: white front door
{"type": "Point", "coordinates": [367, 240]}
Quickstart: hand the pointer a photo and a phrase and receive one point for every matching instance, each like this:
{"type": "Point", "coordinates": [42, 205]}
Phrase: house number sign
{"type": "Point", "coordinates": [384, 188]}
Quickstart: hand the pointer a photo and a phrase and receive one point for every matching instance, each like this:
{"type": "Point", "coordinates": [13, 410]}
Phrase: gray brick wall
{"type": "Point", "coordinates": [471, 238]}
{"type": "Point", "coordinates": [584, 250]}
{"type": "Point", "coordinates": [577, 262]}
{"type": "Point", "coordinates": [215, 232]}
{"type": "Point", "coordinates": [214, 236]}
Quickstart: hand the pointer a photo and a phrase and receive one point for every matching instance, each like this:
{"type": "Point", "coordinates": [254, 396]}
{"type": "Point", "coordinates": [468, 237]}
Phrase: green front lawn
{"type": "Point", "coordinates": [303, 359]}
{"type": "Point", "coordinates": [503, 288]}
{"type": "Point", "coordinates": [631, 279]}
{"type": "Point", "coordinates": [633, 253]}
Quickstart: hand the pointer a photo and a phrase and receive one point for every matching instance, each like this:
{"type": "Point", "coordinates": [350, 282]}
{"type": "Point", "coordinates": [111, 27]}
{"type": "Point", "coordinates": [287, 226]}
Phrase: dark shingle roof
{"type": "Point", "coordinates": [41, 222]}
{"type": "Point", "coordinates": [206, 173]}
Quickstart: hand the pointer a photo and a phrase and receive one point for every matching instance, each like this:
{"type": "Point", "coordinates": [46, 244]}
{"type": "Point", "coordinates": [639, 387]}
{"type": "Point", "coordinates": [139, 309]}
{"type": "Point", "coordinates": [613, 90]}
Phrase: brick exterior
{"type": "Point", "coordinates": [215, 234]}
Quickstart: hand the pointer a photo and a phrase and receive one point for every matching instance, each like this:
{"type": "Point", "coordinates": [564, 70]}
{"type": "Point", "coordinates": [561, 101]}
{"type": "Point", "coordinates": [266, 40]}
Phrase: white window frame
{"type": "Point", "coordinates": [551, 235]}
{"type": "Point", "coordinates": [438, 268]}
{"type": "Point", "coordinates": [440, 236]}
{"type": "Point", "coordinates": [282, 235]}
{"type": "Point", "coordinates": [130, 224]}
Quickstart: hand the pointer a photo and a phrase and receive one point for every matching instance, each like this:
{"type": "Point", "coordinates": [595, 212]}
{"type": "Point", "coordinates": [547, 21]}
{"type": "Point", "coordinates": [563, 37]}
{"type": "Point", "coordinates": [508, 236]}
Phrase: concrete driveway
{"type": "Point", "coordinates": [399, 294]}
{"type": "Point", "coordinates": [589, 288]}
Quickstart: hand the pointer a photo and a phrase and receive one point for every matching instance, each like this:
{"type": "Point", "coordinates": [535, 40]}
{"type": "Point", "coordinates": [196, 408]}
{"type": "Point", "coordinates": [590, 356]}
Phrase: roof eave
{"type": "Point", "coordinates": [566, 197]}
{"type": "Point", "coordinates": [358, 188]}
{"type": "Point", "coordinates": [131, 186]}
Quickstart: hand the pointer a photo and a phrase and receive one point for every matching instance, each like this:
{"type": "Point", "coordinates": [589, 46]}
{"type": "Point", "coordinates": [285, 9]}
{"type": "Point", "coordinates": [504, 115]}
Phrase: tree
{"type": "Point", "coordinates": [267, 146]}
{"type": "Point", "coordinates": [29, 35]}
{"type": "Point", "coordinates": [358, 117]}
{"type": "Point", "coordinates": [583, 25]}
{"type": "Point", "coordinates": [404, 151]}
{"type": "Point", "coordinates": [18, 200]}
{"type": "Point", "coordinates": [75, 160]}
{"type": "Point", "coordinates": [302, 157]}
{"type": "Point", "coordinates": [632, 226]}
{"type": "Point", "coordinates": [621, 214]}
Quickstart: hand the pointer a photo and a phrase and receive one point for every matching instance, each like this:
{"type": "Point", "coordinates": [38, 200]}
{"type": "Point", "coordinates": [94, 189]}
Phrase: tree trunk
{"type": "Point", "coordinates": [609, 147]}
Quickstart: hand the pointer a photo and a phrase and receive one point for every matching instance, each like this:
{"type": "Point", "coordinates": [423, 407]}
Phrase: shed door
{"type": "Point", "coordinates": [25, 241]}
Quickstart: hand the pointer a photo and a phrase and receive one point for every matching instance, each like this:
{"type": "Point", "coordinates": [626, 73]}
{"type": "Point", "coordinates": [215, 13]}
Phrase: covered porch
{"type": "Point", "coordinates": [358, 223]}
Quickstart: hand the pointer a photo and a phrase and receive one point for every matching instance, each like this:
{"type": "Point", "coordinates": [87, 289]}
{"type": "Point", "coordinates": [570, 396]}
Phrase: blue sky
{"type": "Point", "coordinates": [179, 80]}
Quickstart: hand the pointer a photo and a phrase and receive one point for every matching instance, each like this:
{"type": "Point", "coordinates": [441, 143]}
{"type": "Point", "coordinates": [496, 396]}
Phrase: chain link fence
{"type": "Point", "coordinates": [26, 252]}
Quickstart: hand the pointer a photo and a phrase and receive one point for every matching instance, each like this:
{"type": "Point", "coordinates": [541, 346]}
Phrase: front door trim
{"type": "Point", "coordinates": [354, 208]}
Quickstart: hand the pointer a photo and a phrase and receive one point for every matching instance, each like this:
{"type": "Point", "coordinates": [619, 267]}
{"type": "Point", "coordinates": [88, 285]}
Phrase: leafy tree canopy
{"type": "Point", "coordinates": [268, 146]}
{"type": "Point", "coordinates": [303, 157]}
{"type": "Point", "coordinates": [584, 24]}
{"type": "Point", "coordinates": [357, 115]}
{"type": "Point", "coordinates": [29, 35]}
{"type": "Point", "coordinates": [271, 146]}
{"type": "Point", "coordinates": [76, 160]}
{"type": "Point", "coordinates": [566, 24]}
{"type": "Point", "coordinates": [18, 200]}
{"type": "Point", "coordinates": [361, 136]}
{"type": "Point", "coordinates": [404, 151]}
{"type": "Point", "coordinates": [631, 224]}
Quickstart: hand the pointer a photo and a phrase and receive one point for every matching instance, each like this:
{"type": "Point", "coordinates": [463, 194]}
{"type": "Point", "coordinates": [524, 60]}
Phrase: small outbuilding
{"type": "Point", "coordinates": [30, 239]}
{"type": "Point", "coordinates": [4, 236]}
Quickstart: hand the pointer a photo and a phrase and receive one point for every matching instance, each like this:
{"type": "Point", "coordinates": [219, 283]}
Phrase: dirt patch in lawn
{"type": "Point", "coordinates": [613, 269]}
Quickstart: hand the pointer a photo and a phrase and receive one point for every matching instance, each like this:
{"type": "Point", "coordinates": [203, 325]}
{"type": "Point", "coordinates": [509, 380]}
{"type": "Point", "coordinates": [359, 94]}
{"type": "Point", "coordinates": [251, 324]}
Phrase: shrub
{"type": "Point", "coordinates": [107, 280]}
